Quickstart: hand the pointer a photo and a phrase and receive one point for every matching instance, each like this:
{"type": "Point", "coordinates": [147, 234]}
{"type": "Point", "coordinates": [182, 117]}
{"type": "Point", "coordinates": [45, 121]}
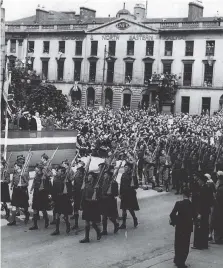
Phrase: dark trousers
{"type": "Point", "coordinates": [201, 232]}
{"type": "Point", "coordinates": [181, 246]}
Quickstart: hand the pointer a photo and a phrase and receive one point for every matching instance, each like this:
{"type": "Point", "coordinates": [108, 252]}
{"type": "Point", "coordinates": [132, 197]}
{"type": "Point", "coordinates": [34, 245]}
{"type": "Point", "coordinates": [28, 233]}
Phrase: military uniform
{"type": "Point", "coordinates": [149, 169]}
{"type": "Point", "coordinates": [91, 208]}
{"type": "Point", "coordinates": [205, 201]}
{"type": "Point", "coordinates": [40, 197]}
{"type": "Point", "coordinates": [128, 195]}
{"type": "Point", "coordinates": [20, 196]}
{"type": "Point", "coordinates": [108, 202]}
{"type": "Point", "coordinates": [77, 184]}
{"type": "Point", "coordinates": [62, 189]}
{"type": "Point", "coordinates": [5, 195]}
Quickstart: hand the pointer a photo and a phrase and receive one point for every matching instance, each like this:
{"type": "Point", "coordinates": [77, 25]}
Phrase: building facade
{"type": "Point", "coordinates": [2, 45]}
{"type": "Point", "coordinates": [111, 60]}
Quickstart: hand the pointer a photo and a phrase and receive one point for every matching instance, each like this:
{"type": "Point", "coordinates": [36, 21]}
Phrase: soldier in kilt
{"type": "Point", "coordinates": [40, 196]}
{"type": "Point", "coordinates": [77, 184]}
{"type": "Point", "coordinates": [108, 202]}
{"type": "Point", "coordinates": [5, 180]}
{"type": "Point", "coordinates": [128, 195]}
{"type": "Point", "coordinates": [20, 196]}
{"type": "Point", "coordinates": [90, 206]}
{"type": "Point", "coordinates": [62, 188]}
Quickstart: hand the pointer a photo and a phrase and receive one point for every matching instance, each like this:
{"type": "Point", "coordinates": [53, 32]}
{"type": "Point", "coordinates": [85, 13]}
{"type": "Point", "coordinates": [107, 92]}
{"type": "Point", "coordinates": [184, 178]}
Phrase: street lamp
{"type": "Point", "coordinates": [101, 107]}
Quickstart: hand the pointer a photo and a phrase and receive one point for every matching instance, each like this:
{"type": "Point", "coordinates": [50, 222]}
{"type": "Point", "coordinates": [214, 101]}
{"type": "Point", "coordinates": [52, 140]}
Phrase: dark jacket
{"type": "Point", "coordinates": [33, 124]}
{"type": "Point", "coordinates": [182, 215]}
{"type": "Point", "coordinates": [206, 200]}
{"type": "Point", "coordinates": [24, 123]}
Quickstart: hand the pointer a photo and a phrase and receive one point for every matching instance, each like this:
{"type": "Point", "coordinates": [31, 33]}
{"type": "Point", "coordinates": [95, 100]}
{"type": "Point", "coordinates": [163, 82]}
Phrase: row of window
{"type": "Point", "coordinates": [205, 108]}
{"type": "Point", "coordinates": [189, 47]}
{"type": "Point", "coordinates": [187, 74]}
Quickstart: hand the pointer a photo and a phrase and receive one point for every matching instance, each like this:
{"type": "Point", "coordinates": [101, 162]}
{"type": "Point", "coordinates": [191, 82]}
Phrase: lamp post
{"type": "Point", "coordinates": [103, 82]}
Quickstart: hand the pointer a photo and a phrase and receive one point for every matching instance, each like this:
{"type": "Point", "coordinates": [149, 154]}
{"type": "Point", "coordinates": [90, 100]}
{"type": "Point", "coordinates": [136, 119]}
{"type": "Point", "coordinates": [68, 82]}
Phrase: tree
{"type": "Point", "coordinates": [33, 94]}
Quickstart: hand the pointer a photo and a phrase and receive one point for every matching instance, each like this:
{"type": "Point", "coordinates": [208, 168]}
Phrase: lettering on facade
{"type": "Point", "coordinates": [77, 37]}
{"type": "Point", "coordinates": [122, 25]}
{"type": "Point", "coordinates": [173, 38]}
{"type": "Point", "coordinates": [140, 37]}
{"type": "Point", "coordinates": [110, 37]}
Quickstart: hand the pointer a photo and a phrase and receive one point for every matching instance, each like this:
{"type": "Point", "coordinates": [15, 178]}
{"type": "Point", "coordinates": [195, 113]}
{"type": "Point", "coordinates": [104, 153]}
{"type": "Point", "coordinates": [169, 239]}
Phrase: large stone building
{"type": "Point", "coordinates": [2, 46]}
{"type": "Point", "coordinates": [112, 59]}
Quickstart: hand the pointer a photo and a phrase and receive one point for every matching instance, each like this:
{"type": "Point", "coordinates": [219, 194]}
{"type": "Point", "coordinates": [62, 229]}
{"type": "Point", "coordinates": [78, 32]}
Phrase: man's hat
{"type": "Point", "coordinates": [94, 175]}
{"type": "Point", "coordinates": [20, 159]}
{"type": "Point", "coordinates": [186, 191]}
{"type": "Point", "coordinates": [26, 112]}
{"type": "Point", "coordinates": [109, 172]}
{"type": "Point", "coordinates": [66, 162]}
{"type": "Point", "coordinates": [45, 156]}
{"type": "Point", "coordinates": [40, 166]}
{"type": "Point", "coordinates": [80, 164]}
{"type": "Point", "coordinates": [220, 174]}
{"type": "Point", "coordinates": [203, 178]}
{"type": "Point", "coordinates": [128, 164]}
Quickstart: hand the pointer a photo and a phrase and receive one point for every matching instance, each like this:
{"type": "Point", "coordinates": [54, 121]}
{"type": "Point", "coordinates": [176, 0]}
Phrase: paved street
{"type": "Point", "coordinates": [150, 245]}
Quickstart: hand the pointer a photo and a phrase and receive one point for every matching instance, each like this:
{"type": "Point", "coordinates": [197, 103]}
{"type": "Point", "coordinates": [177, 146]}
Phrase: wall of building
{"type": "Point", "coordinates": [2, 46]}
{"type": "Point", "coordinates": [121, 53]}
{"type": "Point", "coordinates": [199, 55]}
{"type": "Point", "coordinates": [196, 96]}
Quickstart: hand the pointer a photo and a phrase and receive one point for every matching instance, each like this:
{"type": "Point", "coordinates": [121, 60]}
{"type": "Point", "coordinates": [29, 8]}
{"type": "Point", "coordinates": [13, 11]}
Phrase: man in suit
{"type": "Point", "coordinates": [182, 218]}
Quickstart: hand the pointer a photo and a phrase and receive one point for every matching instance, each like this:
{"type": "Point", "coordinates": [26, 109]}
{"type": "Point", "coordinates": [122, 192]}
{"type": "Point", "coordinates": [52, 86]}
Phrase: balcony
{"type": "Point", "coordinates": [44, 28]}
{"type": "Point", "coordinates": [190, 25]}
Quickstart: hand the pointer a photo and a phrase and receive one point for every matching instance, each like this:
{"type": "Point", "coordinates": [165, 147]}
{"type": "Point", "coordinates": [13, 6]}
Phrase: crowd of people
{"type": "Point", "coordinates": [185, 151]}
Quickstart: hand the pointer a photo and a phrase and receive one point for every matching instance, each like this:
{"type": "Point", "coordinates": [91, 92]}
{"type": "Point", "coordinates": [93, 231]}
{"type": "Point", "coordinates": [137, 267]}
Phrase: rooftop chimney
{"type": "Point", "coordinates": [41, 14]}
{"type": "Point", "coordinates": [87, 13]}
{"type": "Point", "coordinates": [195, 11]}
{"type": "Point", "coordinates": [139, 11]}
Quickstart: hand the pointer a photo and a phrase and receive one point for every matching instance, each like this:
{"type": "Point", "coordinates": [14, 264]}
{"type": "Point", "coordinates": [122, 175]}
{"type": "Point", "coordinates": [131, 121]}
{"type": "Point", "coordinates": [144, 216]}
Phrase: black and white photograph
{"type": "Point", "coordinates": [111, 133]}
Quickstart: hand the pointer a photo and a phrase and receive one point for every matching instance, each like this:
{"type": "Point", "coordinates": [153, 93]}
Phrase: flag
{"type": "Point", "coordinates": [7, 99]}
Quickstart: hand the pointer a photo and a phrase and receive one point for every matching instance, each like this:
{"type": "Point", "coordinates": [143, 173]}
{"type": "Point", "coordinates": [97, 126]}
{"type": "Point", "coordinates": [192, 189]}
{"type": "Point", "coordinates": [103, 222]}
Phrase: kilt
{"type": "Point", "coordinates": [108, 207]}
{"type": "Point", "coordinates": [129, 200]}
{"type": "Point", "coordinates": [91, 211]}
{"type": "Point", "coordinates": [77, 200]}
{"type": "Point", "coordinates": [20, 197]}
{"type": "Point", "coordinates": [63, 204]}
{"type": "Point", "coordinates": [40, 200]}
{"type": "Point", "coordinates": [5, 196]}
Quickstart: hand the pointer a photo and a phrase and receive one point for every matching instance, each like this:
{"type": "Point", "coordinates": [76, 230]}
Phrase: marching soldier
{"type": "Point", "coordinates": [40, 196]}
{"type": "Point", "coordinates": [62, 188]}
{"type": "Point", "coordinates": [77, 184]}
{"type": "Point", "coordinates": [176, 178]}
{"type": "Point", "coordinates": [149, 167]}
{"type": "Point", "coordinates": [128, 186]}
{"type": "Point", "coordinates": [5, 180]}
{"type": "Point", "coordinates": [164, 169]}
{"type": "Point", "coordinates": [20, 196]}
{"type": "Point", "coordinates": [90, 206]}
{"type": "Point", "coordinates": [140, 163]}
{"type": "Point", "coordinates": [108, 202]}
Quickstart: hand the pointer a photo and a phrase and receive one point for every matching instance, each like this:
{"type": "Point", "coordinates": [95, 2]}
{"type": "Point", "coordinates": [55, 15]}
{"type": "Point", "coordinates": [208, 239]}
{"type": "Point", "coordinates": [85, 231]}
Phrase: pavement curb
{"type": "Point", "coordinates": [154, 260]}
